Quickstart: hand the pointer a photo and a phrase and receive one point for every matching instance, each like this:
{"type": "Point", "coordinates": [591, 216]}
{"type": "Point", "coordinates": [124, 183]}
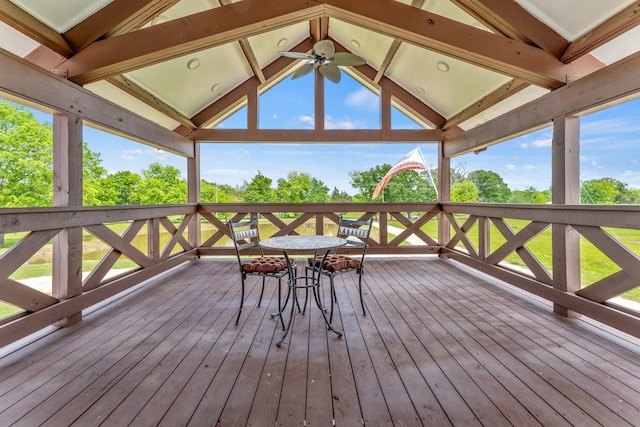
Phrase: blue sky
{"type": "Point", "coordinates": [610, 144]}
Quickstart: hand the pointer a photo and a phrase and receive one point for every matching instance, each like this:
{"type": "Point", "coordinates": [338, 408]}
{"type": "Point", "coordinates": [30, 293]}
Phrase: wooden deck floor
{"type": "Point", "coordinates": [439, 346]}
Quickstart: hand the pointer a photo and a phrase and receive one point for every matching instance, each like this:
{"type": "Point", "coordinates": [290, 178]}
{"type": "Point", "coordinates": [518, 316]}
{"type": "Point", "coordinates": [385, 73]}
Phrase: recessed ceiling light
{"type": "Point", "coordinates": [355, 43]}
{"type": "Point", "coordinates": [216, 87]}
{"type": "Point", "coordinates": [419, 90]}
{"type": "Point", "coordinates": [193, 64]}
{"type": "Point", "coordinates": [159, 19]}
{"type": "Point", "coordinates": [282, 42]}
{"type": "Point", "coordinates": [442, 66]}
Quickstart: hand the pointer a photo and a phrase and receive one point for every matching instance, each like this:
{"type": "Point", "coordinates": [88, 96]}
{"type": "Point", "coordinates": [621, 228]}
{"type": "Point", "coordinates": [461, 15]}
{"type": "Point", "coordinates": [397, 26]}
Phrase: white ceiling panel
{"type": "Point", "coordinates": [573, 18]}
{"type": "Point", "coordinates": [266, 46]}
{"type": "Point", "coordinates": [128, 102]}
{"type": "Point", "coordinates": [515, 101]}
{"type": "Point", "coordinates": [449, 91]}
{"type": "Point", "coordinates": [15, 42]}
{"type": "Point", "coordinates": [369, 45]}
{"type": "Point", "coordinates": [187, 90]}
{"type": "Point", "coordinates": [61, 14]}
{"type": "Point", "coordinates": [620, 47]}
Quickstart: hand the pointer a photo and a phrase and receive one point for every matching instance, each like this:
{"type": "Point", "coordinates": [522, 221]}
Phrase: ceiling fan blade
{"type": "Point", "coordinates": [324, 48]}
{"type": "Point", "coordinates": [304, 70]}
{"type": "Point", "coordinates": [346, 58]}
{"type": "Point", "coordinates": [297, 55]}
{"type": "Point", "coordinates": [331, 72]}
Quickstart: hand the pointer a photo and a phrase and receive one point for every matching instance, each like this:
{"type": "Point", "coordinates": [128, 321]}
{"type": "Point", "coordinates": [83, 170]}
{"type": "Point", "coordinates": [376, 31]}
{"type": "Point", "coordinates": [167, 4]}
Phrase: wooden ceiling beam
{"type": "Point", "coordinates": [117, 17]}
{"type": "Point", "coordinates": [319, 28]}
{"type": "Point", "coordinates": [25, 23]}
{"type": "Point", "coordinates": [351, 136]}
{"type": "Point", "coordinates": [179, 37]}
{"type": "Point", "coordinates": [452, 38]}
{"type": "Point", "coordinates": [33, 85]}
{"type": "Point", "coordinates": [514, 21]}
{"type": "Point", "coordinates": [618, 24]}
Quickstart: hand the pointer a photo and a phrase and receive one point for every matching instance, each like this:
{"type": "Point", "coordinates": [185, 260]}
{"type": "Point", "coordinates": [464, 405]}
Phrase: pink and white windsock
{"type": "Point", "coordinates": [413, 160]}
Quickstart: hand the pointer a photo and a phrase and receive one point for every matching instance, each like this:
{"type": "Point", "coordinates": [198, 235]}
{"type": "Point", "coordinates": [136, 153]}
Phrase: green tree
{"type": "Point", "coordinates": [599, 191]}
{"type": "Point", "coordinates": [338, 196]}
{"type": "Point", "coordinates": [92, 176]}
{"type": "Point", "coordinates": [259, 190]}
{"type": "Point", "coordinates": [301, 187]}
{"type": "Point", "coordinates": [406, 186]}
{"type": "Point", "coordinates": [464, 192]}
{"type": "Point", "coordinates": [217, 193]}
{"type": "Point", "coordinates": [26, 159]}
{"type": "Point", "coordinates": [121, 188]}
{"type": "Point", "coordinates": [162, 184]}
{"type": "Point", "coordinates": [491, 187]}
{"type": "Point", "coordinates": [528, 196]}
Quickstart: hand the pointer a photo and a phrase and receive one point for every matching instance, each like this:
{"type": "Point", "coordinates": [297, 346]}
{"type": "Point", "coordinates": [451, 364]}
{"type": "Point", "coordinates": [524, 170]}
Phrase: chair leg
{"type": "Point", "coordinates": [261, 291]}
{"type": "Point", "coordinates": [241, 301]}
{"type": "Point", "coordinates": [332, 297]}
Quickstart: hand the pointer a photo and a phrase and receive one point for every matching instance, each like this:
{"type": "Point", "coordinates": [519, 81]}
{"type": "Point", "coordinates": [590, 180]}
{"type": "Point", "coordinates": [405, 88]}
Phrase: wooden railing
{"type": "Point", "coordinates": [482, 237]}
{"type": "Point", "coordinates": [495, 239]}
{"type": "Point", "coordinates": [406, 237]}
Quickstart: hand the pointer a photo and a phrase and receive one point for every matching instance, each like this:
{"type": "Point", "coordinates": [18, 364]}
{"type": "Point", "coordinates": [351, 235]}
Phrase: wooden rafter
{"type": "Point", "coordinates": [117, 17]}
{"type": "Point", "coordinates": [248, 52]}
{"type": "Point", "coordinates": [618, 24]}
{"type": "Point", "coordinates": [319, 28]}
{"type": "Point", "coordinates": [393, 49]}
{"type": "Point", "coordinates": [452, 38]}
{"type": "Point", "coordinates": [515, 22]}
{"type": "Point", "coordinates": [179, 37]}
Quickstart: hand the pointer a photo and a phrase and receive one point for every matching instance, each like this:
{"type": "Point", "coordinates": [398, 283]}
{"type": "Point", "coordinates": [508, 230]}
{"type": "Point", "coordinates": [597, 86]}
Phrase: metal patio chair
{"type": "Point", "coordinates": [357, 234]}
{"type": "Point", "coordinates": [245, 236]}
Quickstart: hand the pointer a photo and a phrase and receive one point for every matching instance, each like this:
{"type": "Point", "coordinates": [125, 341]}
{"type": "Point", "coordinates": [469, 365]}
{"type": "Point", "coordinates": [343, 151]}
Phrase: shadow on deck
{"type": "Point", "coordinates": [440, 345]}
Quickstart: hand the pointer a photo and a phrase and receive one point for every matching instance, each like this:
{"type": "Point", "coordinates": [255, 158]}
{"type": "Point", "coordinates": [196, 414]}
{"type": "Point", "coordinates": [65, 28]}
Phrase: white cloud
{"type": "Point", "coordinates": [275, 116]}
{"type": "Point", "coordinates": [131, 154]}
{"type": "Point", "coordinates": [542, 143]}
{"type": "Point", "coordinates": [362, 98]}
{"type": "Point", "coordinates": [331, 123]}
{"type": "Point", "coordinates": [307, 120]}
{"type": "Point", "coordinates": [524, 145]}
{"type": "Point", "coordinates": [529, 167]}
{"type": "Point", "coordinates": [511, 167]}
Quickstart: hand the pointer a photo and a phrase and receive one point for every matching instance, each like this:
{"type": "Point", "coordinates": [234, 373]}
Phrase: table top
{"type": "Point", "coordinates": [303, 243]}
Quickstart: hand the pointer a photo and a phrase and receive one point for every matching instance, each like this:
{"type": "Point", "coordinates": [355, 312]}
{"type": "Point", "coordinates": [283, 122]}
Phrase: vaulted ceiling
{"type": "Point", "coordinates": [449, 64]}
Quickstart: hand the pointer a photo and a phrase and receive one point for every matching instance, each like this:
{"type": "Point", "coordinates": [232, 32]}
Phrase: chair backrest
{"type": "Point", "coordinates": [356, 232]}
{"type": "Point", "coordinates": [245, 235]}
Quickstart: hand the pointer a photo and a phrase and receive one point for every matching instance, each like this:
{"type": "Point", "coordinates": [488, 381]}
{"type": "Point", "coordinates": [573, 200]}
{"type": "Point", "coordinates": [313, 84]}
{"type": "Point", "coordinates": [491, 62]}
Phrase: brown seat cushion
{"type": "Point", "coordinates": [265, 265]}
{"type": "Point", "coordinates": [336, 262]}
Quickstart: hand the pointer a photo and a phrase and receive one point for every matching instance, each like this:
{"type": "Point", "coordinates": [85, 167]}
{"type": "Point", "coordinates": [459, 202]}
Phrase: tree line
{"type": "Point", "coordinates": [26, 179]}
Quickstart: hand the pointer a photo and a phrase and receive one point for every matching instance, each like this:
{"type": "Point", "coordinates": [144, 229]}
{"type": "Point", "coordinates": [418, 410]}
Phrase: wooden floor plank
{"type": "Point", "coordinates": [440, 345]}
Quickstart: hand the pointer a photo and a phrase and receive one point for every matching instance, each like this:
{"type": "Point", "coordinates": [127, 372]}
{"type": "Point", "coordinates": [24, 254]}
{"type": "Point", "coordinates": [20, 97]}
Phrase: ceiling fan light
{"type": "Point", "coordinates": [193, 64]}
{"type": "Point", "coordinates": [282, 42]}
{"type": "Point", "coordinates": [442, 66]}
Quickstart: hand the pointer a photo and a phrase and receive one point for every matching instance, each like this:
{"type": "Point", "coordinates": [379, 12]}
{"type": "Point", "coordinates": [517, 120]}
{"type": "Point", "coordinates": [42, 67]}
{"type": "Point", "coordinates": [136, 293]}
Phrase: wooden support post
{"type": "Point", "coordinates": [385, 113]}
{"type": "Point", "coordinates": [565, 181]}
{"type": "Point", "coordinates": [318, 105]}
{"type": "Point", "coordinates": [67, 191]}
{"type": "Point", "coordinates": [193, 194]}
{"type": "Point", "coordinates": [444, 194]}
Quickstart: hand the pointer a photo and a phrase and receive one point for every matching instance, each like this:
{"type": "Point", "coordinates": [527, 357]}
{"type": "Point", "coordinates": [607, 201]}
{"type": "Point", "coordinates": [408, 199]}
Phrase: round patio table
{"type": "Point", "coordinates": [303, 245]}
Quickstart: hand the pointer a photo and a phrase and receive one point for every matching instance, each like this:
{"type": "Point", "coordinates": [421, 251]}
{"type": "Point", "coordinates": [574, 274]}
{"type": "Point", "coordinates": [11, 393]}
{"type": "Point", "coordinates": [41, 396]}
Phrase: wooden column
{"type": "Point", "coordinates": [385, 113]}
{"type": "Point", "coordinates": [444, 194]}
{"type": "Point", "coordinates": [67, 191]}
{"type": "Point", "coordinates": [318, 97]}
{"type": "Point", "coordinates": [565, 189]}
{"type": "Point", "coordinates": [193, 189]}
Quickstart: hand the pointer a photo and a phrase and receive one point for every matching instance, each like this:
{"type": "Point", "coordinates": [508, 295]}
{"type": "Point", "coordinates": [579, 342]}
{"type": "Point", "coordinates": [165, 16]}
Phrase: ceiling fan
{"type": "Point", "coordinates": [324, 57]}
